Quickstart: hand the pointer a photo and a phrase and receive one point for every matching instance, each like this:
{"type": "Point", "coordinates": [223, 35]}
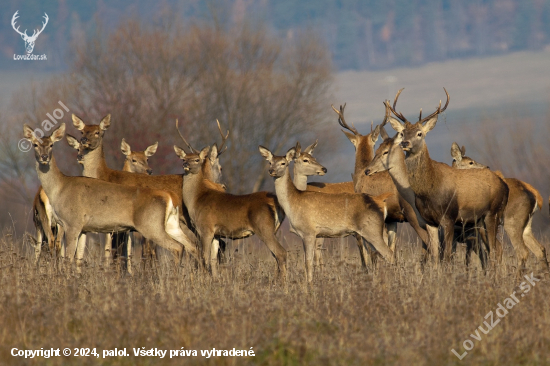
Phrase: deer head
{"type": "Point", "coordinates": [92, 135]}
{"type": "Point", "coordinates": [43, 148]}
{"type": "Point", "coordinates": [413, 134]}
{"type": "Point", "coordinates": [278, 165]}
{"type": "Point", "coordinates": [361, 142]}
{"type": "Point", "coordinates": [461, 161]}
{"type": "Point", "coordinates": [305, 164]}
{"type": "Point", "coordinates": [138, 161]}
{"type": "Point", "coordinates": [29, 40]}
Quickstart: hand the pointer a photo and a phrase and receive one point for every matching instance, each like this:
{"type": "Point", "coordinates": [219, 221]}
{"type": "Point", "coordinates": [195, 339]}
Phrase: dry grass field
{"type": "Point", "coordinates": [394, 315]}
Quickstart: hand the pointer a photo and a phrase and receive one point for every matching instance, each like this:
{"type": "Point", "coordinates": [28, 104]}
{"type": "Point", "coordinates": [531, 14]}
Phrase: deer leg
{"type": "Point", "coordinates": [222, 258]}
{"type": "Point", "coordinates": [494, 245]}
{"type": "Point", "coordinates": [433, 243]}
{"type": "Point", "coordinates": [392, 235]}
{"type": "Point", "coordinates": [108, 247]}
{"type": "Point", "coordinates": [373, 233]}
{"type": "Point", "coordinates": [38, 245]}
{"type": "Point", "coordinates": [363, 253]}
{"type": "Point", "coordinates": [318, 254]}
{"type": "Point", "coordinates": [277, 250]}
{"type": "Point", "coordinates": [534, 245]}
{"type": "Point", "coordinates": [448, 235]}
{"type": "Point", "coordinates": [209, 261]}
{"type": "Point", "coordinates": [129, 243]}
{"type": "Point", "coordinates": [515, 234]}
{"type": "Point", "coordinates": [309, 249]}
{"type": "Point", "coordinates": [80, 249]}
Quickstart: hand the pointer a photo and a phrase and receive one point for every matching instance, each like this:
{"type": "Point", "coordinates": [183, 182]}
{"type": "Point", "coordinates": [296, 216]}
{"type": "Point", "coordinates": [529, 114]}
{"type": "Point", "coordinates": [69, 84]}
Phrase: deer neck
{"type": "Point", "coordinates": [300, 180]}
{"type": "Point", "coordinates": [50, 177]}
{"type": "Point", "coordinates": [363, 156]}
{"type": "Point", "coordinates": [421, 172]}
{"type": "Point", "coordinates": [286, 191]}
{"type": "Point", "coordinates": [400, 178]}
{"type": "Point", "coordinates": [95, 165]}
{"type": "Point", "coordinates": [192, 187]}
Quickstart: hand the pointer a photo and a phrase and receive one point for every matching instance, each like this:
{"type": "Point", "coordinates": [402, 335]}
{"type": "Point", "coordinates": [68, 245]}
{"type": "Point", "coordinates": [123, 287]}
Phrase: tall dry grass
{"type": "Point", "coordinates": [390, 315]}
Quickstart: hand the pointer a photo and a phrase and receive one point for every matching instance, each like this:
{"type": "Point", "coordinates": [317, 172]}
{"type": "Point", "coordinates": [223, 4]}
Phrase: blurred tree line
{"type": "Point", "coordinates": [361, 34]}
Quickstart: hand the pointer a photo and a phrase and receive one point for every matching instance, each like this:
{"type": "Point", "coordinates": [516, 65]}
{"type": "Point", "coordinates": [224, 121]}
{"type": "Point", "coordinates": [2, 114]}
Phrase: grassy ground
{"type": "Point", "coordinates": [392, 315]}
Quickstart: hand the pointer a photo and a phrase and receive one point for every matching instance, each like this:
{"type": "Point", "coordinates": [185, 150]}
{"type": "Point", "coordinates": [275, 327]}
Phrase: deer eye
{"type": "Point", "coordinates": [51, 145]}
{"type": "Point", "coordinates": [197, 160]}
{"type": "Point", "coordinates": [419, 134]}
{"type": "Point", "coordinates": [401, 134]}
{"type": "Point", "coordinates": [35, 145]}
{"type": "Point", "coordinates": [471, 163]}
{"type": "Point", "coordinates": [97, 133]}
{"type": "Point", "coordinates": [385, 153]}
{"type": "Point", "coordinates": [134, 161]}
{"type": "Point", "coordinates": [283, 163]}
{"type": "Point", "coordinates": [306, 161]}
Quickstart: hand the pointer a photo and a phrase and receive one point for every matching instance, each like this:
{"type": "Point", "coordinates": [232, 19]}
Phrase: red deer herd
{"type": "Point", "coordinates": [193, 212]}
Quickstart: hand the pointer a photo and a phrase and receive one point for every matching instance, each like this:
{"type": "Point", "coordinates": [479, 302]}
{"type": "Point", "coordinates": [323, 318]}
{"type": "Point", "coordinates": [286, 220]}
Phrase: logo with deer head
{"type": "Point", "coordinates": [29, 40]}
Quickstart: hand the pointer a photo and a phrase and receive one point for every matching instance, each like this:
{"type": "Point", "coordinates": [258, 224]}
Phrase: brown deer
{"type": "Point", "coordinates": [306, 165]}
{"type": "Point", "coordinates": [399, 210]}
{"type": "Point", "coordinates": [523, 201]}
{"type": "Point", "coordinates": [83, 204]}
{"type": "Point", "coordinates": [390, 157]}
{"type": "Point", "coordinates": [443, 195]}
{"type": "Point", "coordinates": [217, 214]}
{"type": "Point", "coordinates": [316, 214]}
{"type": "Point", "coordinates": [138, 162]}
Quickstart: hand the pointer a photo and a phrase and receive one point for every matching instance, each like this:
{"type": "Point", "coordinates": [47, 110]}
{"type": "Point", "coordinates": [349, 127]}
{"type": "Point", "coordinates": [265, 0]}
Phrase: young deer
{"type": "Point", "coordinates": [523, 201]}
{"type": "Point", "coordinates": [217, 214]}
{"type": "Point", "coordinates": [84, 205]}
{"type": "Point", "coordinates": [316, 214]}
{"type": "Point", "coordinates": [443, 195]}
{"type": "Point", "coordinates": [306, 165]}
{"type": "Point", "coordinates": [138, 162]}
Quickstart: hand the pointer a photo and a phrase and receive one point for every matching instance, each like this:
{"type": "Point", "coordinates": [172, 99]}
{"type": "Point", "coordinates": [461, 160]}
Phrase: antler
{"type": "Point", "coordinates": [224, 138]}
{"type": "Point", "coordinates": [43, 26]}
{"type": "Point", "coordinates": [342, 121]}
{"type": "Point", "coordinates": [392, 109]}
{"type": "Point", "coordinates": [15, 16]}
{"type": "Point", "coordinates": [437, 111]}
{"type": "Point", "coordinates": [185, 141]}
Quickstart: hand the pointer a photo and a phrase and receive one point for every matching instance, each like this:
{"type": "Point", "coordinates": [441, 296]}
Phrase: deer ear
{"type": "Point", "coordinates": [456, 153]}
{"type": "Point", "coordinates": [463, 150]}
{"type": "Point", "coordinates": [213, 154]}
{"type": "Point", "coordinates": [290, 154]}
{"type": "Point", "coordinates": [298, 149]}
{"type": "Point", "coordinates": [151, 150]}
{"type": "Point", "coordinates": [310, 148]}
{"type": "Point", "coordinates": [73, 142]}
{"type": "Point", "coordinates": [78, 123]}
{"type": "Point", "coordinates": [384, 134]}
{"type": "Point", "coordinates": [429, 125]}
{"type": "Point", "coordinates": [180, 152]}
{"type": "Point", "coordinates": [351, 137]}
{"type": "Point", "coordinates": [204, 152]}
{"type": "Point", "coordinates": [374, 134]}
{"type": "Point", "coordinates": [28, 132]}
{"type": "Point", "coordinates": [105, 122]}
{"type": "Point", "coordinates": [125, 148]}
{"type": "Point", "coordinates": [395, 124]}
{"type": "Point", "coordinates": [58, 133]}
{"type": "Point", "coordinates": [265, 153]}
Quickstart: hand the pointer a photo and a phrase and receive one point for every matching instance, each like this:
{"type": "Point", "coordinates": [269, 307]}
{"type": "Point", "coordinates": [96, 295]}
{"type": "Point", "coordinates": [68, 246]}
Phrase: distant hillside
{"type": "Point", "coordinates": [362, 34]}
